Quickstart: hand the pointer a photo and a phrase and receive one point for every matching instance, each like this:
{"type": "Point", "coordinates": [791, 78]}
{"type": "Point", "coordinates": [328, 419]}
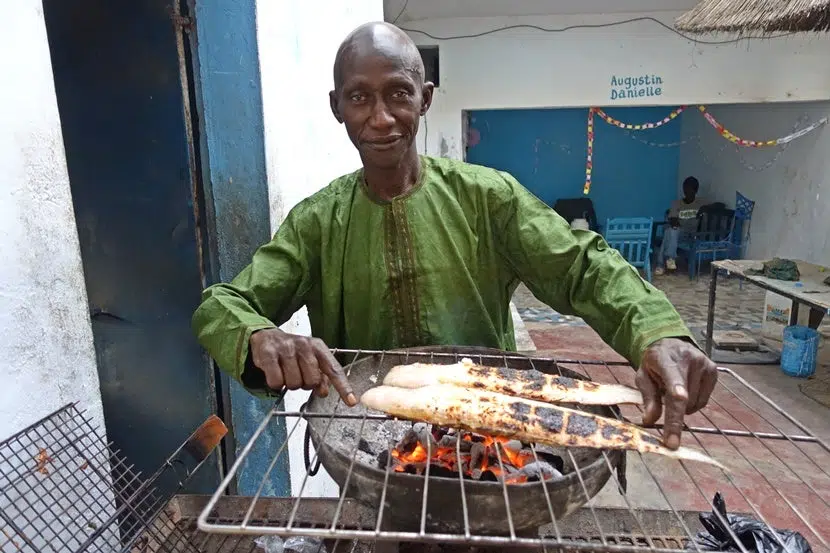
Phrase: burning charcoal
{"type": "Point", "coordinates": [540, 471]}
{"type": "Point", "coordinates": [450, 442]}
{"type": "Point", "coordinates": [547, 455]}
{"type": "Point", "coordinates": [425, 436]}
{"type": "Point", "coordinates": [447, 441]}
{"type": "Point", "coordinates": [438, 433]}
{"type": "Point", "coordinates": [414, 468]}
{"type": "Point", "coordinates": [477, 456]}
{"type": "Point", "coordinates": [419, 427]}
{"type": "Point", "coordinates": [508, 468]}
{"type": "Point", "coordinates": [364, 446]}
{"type": "Point", "coordinates": [513, 445]}
{"type": "Point", "coordinates": [438, 470]}
{"type": "Point", "coordinates": [409, 440]}
{"type": "Point", "coordinates": [488, 476]}
{"type": "Point", "coordinates": [553, 460]}
{"type": "Point", "coordinates": [383, 459]}
{"type": "Point", "coordinates": [542, 449]}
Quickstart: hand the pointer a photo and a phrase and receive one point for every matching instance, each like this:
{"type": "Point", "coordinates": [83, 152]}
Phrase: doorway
{"type": "Point", "coordinates": [137, 198]}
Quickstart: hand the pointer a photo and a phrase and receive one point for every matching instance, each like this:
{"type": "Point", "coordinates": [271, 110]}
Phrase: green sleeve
{"type": "Point", "coordinates": [578, 273]}
{"type": "Point", "coordinates": [264, 295]}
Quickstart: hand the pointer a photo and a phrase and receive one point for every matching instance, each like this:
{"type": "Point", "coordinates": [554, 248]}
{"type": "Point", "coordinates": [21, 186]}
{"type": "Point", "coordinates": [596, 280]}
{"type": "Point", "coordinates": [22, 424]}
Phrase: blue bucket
{"type": "Point", "coordinates": [798, 356]}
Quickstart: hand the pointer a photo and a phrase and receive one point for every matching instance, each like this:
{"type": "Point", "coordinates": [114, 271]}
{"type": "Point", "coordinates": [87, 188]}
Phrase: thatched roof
{"type": "Point", "coordinates": [748, 16]}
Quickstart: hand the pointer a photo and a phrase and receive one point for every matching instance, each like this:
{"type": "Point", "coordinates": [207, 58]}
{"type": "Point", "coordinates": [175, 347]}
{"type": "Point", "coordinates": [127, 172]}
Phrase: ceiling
{"type": "Point", "coordinates": [436, 9]}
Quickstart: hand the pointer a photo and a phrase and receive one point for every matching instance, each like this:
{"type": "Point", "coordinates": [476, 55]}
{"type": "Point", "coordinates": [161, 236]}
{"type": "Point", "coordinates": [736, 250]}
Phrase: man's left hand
{"type": "Point", "coordinates": [677, 375]}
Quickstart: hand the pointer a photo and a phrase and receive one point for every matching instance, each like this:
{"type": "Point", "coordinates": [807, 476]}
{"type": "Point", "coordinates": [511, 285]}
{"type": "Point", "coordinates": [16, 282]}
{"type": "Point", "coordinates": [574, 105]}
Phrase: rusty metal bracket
{"type": "Point", "coordinates": [183, 22]}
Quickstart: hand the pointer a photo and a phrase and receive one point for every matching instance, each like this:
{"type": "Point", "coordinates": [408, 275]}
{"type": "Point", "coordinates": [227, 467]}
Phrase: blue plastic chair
{"type": "Point", "coordinates": [631, 236]}
{"type": "Point", "coordinates": [743, 217]}
{"type": "Point", "coordinates": [713, 239]}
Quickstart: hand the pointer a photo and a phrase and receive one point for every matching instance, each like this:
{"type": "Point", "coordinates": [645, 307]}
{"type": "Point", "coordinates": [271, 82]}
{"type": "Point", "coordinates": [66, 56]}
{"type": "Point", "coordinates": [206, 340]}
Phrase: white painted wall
{"type": "Point", "coordinates": [792, 211]}
{"type": "Point", "coordinates": [47, 357]}
{"type": "Point", "coordinates": [525, 68]}
{"type": "Point", "coordinates": [305, 147]}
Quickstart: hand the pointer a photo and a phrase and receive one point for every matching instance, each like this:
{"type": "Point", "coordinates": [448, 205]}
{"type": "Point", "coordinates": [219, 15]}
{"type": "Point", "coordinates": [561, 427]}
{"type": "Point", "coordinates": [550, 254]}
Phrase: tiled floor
{"type": "Point", "coordinates": [768, 475]}
{"type": "Point", "coordinates": [735, 306]}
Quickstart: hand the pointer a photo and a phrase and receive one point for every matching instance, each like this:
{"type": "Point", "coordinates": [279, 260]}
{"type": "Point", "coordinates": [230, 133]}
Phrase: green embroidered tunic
{"type": "Point", "coordinates": [436, 266]}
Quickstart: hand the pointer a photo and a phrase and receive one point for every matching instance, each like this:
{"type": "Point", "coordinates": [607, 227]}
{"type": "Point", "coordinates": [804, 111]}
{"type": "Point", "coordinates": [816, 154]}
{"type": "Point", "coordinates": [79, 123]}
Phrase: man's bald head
{"type": "Point", "coordinates": [378, 39]}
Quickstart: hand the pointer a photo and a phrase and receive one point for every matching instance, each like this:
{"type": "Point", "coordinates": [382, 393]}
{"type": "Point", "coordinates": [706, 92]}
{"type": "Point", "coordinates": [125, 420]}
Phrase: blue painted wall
{"type": "Point", "coordinates": [116, 74]}
{"type": "Point", "coordinates": [236, 190]}
{"type": "Point", "coordinates": [546, 149]}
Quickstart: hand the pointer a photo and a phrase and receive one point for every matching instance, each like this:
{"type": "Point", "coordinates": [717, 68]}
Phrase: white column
{"type": "Point", "coordinates": [305, 147]}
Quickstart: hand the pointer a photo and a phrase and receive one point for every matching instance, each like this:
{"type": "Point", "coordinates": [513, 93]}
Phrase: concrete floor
{"type": "Point", "coordinates": [783, 482]}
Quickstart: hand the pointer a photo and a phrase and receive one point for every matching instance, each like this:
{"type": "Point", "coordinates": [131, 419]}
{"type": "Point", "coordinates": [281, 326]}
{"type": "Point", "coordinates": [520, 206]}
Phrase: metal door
{"type": "Point", "coordinates": [129, 144]}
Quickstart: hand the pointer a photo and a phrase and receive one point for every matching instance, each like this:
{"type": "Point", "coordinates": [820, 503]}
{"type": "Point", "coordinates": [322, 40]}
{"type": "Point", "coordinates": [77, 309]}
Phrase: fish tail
{"type": "Point", "coordinates": [629, 395]}
{"type": "Point", "coordinates": [690, 454]}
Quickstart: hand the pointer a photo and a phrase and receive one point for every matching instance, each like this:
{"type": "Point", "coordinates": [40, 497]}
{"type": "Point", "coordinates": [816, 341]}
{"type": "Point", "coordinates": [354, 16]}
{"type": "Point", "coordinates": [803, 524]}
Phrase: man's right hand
{"type": "Point", "coordinates": [298, 362]}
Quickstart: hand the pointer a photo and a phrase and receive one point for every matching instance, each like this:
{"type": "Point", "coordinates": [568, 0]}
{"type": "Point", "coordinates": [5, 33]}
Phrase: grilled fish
{"type": "Point", "coordinates": [530, 384]}
{"type": "Point", "coordinates": [530, 421]}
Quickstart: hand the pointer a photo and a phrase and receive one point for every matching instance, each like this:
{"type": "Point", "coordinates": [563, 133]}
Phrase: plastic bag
{"type": "Point", "coordinates": [275, 544]}
{"type": "Point", "coordinates": [753, 534]}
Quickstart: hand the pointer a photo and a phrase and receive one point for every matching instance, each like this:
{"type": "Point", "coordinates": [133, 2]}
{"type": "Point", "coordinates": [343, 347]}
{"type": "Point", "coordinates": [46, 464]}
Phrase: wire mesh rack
{"type": "Point", "coordinates": [779, 476]}
{"type": "Point", "coordinates": [65, 489]}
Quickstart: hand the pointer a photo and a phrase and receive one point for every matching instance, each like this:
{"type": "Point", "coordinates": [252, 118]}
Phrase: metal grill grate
{"type": "Point", "coordinates": [64, 489]}
{"type": "Point", "coordinates": [779, 476]}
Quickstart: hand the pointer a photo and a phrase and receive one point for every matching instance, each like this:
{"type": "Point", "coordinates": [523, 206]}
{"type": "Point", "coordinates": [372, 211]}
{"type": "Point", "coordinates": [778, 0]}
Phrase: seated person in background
{"type": "Point", "coordinates": [682, 221]}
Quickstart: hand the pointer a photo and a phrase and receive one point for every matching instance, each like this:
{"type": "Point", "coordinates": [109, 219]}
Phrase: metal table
{"type": "Point", "coordinates": [810, 290]}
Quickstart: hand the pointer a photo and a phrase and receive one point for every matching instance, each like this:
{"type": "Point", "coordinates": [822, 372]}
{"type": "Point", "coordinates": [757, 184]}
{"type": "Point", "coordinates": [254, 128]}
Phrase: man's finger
{"type": "Point", "coordinates": [675, 400]}
{"type": "Point", "coordinates": [695, 373]}
{"type": "Point", "coordinates": [652, 405]}
{"type": "Point", "coordinates": [268, 362]}
{"type": "Point", "coordinates": [336, 375]}
{"type": "Point", "coordinates": [708, 381]}
{"type": "Point", "coordinates": [309, 368]}
{"type": "Point", "coordinates": [291, 372]}
{"type": "Point", "coordinates": [323, 389]}
{"type": "Point", "coordinates": [273, 376]}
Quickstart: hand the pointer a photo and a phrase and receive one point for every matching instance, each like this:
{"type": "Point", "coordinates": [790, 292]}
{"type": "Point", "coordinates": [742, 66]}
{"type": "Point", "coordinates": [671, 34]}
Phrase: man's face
{"type": "Point", "coordinates": [380, 102]}
{"type": "Point", "coordinates": [689, 190]}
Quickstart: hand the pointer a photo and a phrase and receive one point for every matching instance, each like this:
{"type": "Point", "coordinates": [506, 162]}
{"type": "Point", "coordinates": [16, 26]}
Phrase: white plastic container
{"type": "Point", "coordinates": [777, 312]}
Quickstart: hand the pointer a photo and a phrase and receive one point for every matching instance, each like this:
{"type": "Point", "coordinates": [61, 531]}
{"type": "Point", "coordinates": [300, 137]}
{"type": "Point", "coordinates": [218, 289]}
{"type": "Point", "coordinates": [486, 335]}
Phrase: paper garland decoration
{"type": "Point", "coordinates": [724, 132]}
{"type": "Point", "coordinates": [589, 162]}
{"type": "Point", "coordinates": [642, 126]}
{"type": "Point", "coordinates": [627, 126]}
{"type": "Point", "coordinates": [659, 144]}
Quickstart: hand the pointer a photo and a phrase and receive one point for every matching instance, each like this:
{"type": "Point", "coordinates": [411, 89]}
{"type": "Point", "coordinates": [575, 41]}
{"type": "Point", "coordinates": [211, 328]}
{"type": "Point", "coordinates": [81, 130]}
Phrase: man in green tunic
{"type": "Point", "coordinates": [412, 250]}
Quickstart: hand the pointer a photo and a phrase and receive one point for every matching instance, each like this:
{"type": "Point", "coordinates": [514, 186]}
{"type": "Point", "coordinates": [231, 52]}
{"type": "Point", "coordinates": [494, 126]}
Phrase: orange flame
{"type": "Point", "coordinates": [446, 457]}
